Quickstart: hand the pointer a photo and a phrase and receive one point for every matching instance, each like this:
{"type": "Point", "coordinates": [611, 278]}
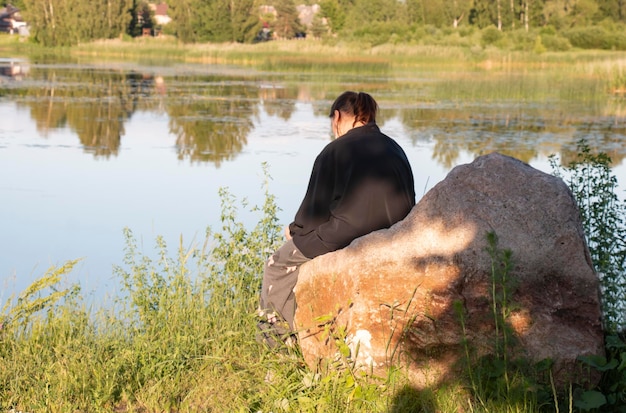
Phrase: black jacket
{"type": "Point", "coordinates": [361, 182]}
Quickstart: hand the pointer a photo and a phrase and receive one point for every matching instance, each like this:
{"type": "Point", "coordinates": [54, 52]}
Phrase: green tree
{"type": "Point", "coordinates": [318, 27]}
{"type": "Point", "coordinates": [287, 23]}
{"type": "Point", "coordinates": [214, 20]}
{"type": "Point", "coordinates": [68, 22]}
{"type": "Point", "coordinates": [531, 14]}
{"type": "Point", "coordinates": [553, 13]}
{"type": "Point", "coordinates": [488, 12]}
{"type": "Point", "coordinates": [183, 19]}
{"type": "Point", "coordinates": [375, 10]}
{"type": "Point", "coordinates": [583, 12]}
{"type": "Point", "coordinates": [244, 19]}
{"type": "Point", "coordinates": [613, 9]}
{"type": "Point", "coordinates": [439, 13]}
{"type": "Point", "coordinates": [335, 13]}
{"type": "Point", "coordinates": [479, 14]}
{"type": "Point", "coordinates": [217, 25]}
{"type": "Point", "coordinates": [142, 18]}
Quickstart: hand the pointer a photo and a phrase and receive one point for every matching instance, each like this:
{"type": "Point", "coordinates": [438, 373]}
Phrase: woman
{"type": "Point", "coordinates": [361, 182]}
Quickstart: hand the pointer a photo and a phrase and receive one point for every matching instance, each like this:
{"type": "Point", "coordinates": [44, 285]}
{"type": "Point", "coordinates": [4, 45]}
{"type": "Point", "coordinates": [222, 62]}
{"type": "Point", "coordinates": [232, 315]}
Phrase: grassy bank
{"type": "Point", "coordinates": [401, 61]}
{"type": "Point", "coordinates": [315, 51]}
{"type": "Point", "coordinates": [181, 336]}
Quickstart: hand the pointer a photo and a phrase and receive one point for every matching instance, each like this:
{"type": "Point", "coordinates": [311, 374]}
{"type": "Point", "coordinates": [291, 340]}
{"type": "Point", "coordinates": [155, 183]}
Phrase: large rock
{"type": "Point", "coordinates": [414, 292]}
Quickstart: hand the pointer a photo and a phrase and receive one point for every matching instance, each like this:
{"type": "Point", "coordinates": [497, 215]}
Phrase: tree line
{"type": "Point", "coordinates": [563, 23]}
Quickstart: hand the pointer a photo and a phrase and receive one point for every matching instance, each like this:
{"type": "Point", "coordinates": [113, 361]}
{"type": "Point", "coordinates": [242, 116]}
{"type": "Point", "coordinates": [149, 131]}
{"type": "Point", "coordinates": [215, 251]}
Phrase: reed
{"type": "Point", "coordinates": [337, 55]}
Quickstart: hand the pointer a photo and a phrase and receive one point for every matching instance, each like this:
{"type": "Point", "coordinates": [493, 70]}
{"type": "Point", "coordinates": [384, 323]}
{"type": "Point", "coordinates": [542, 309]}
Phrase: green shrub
{"type": "Point", "coordinates": [466, 30]}
{"type": "Point", "coordinates": [523, 40]}
{"type": "Point", "coordinates": [596, 37]}
{"type": "Point", "coordinates": [490, 35]}
{"type": "Point", "coordinates": [547, 30]}
{"type": "Point", "coordinates": [586, 37]}
{"type": "Point", "coordinates": [378, 33]}
{"type": "Point", "coordinates": [555, 43]}
{"type": "Point", "coordinates": [416, 33]}
{"type": "Point", "coordinates": [616, 41]}
{"type": "Point", "coordinates": [604, 220]}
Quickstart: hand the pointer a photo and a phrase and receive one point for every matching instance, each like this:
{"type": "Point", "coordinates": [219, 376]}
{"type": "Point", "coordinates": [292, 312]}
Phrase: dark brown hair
{"type": "Point", "coordinates": [360, 104]}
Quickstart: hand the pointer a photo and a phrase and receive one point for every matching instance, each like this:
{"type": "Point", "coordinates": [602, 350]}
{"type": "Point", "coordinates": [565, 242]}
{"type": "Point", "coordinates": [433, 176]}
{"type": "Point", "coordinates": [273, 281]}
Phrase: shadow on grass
{"type": "Point", "coordinates": [410, 399]}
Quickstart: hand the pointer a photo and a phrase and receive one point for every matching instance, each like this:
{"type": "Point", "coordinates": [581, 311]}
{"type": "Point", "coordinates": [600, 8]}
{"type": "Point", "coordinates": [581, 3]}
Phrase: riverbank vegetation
{"type": "Point", "coordinates": [180, 335]}
{"type": "Point", "coordinates": [333, 57]}
{"type": "Point", "coordinates": [552, 25]}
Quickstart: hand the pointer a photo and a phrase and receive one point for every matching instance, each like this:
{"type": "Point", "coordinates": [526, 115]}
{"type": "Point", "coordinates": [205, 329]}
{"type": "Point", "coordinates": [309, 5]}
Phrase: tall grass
{"type": "Point", "coordinates": [441, 52]}
{"type": "Point", "coordinates": [181, 337]}
{"type": "Point", "coordinates": [604, 219]}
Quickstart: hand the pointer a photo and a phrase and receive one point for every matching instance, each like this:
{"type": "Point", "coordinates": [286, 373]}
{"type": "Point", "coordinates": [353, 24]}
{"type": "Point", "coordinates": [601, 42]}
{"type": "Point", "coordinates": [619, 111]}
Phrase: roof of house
{"type": "Point", "coordinates": [161, 9]}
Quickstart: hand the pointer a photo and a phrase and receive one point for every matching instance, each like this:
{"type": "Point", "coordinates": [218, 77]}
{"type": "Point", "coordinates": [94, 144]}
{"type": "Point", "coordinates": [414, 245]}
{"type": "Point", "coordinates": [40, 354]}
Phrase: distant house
{"type": "Point", "coordinates": [10, 20]}
{"type": "Point", "coordinates": [307, 13]}
{"type": "Point", "coordinates": [160, 14]}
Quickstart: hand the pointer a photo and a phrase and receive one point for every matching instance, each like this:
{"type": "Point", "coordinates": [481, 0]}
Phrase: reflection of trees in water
{"type": "Point", "coordinates": [211, 123]}
{"type": "Point", "coordinates": [212, 115]}
{"type": "Point", "coordinates": [600, 138]}
{"type": "Point", "coordinates": [94, 103]}
{"type": "Point", "coordinates": [521, 133]}
{"type": "Point", "coordinates": [279, 100]}
{"type": "Point", "coordinates": [211, 128]}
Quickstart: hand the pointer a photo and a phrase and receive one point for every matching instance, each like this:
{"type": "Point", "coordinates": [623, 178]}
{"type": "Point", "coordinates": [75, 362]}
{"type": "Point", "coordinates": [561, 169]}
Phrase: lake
{"type": "Point", "coordinates": [88, 149]}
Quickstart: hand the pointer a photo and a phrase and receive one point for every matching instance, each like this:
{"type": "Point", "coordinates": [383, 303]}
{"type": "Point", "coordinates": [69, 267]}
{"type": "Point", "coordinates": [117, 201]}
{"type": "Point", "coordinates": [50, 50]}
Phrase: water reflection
{"type": "Point", "coordinates": [211, 115]}
{"type": "Point", "coordinates": [210, 128]}
{"type": "Point", "coordinates": [172, 134]}
{"type": "Point", "coordinates": [280, 100]}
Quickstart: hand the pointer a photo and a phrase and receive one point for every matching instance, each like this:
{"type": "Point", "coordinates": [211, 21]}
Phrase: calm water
{"type": "Point", "coordinates": [89, 149]}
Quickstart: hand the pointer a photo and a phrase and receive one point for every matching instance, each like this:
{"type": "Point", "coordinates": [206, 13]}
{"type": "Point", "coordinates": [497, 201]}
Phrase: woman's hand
{"type": "Point", "coordinates": [287, 233]}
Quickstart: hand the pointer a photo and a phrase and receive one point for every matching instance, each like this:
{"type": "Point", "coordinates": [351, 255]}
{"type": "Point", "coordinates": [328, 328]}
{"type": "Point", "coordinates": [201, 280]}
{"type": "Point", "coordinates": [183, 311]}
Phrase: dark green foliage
{"type": "Point", "coordinates": [483, 14]}
{"type": "Point", "coordinates": [616, 10]}
{"type": "Point", "coordinates": [555, 43]}
{"type": "Point", "coordinates": [490, 35]}
{"type": "Point", "coordinates": [335, 14]}
{"type": "Point", "coordinates": [142, 18]}
{"type": "Point", "coordinates": [604, 219]}
{"type": "Point", "coordinates": [214, 20]}
{"type": "Point", "coordinates": [610, 396]}
{"type": "Point", "coordinates": [378, 33]}
{"type": "Point", "coordinates": [586, 24]}
{"type": "Point", "coordinates": [439, 13]}
{"type": "Point", "coordinates": [183, 19]}
{"type": "Point", "coordinates": [596, 37]}
{"type": "Point", "coordinates": [286, 24]}
{"type": "Point", "coordinates": [523, 40]}
{"type": "Point", "coordinates": [318, 28]}
{"type": "Point", "coordinates": [244, 23]}
{"type": "Point", "coordinates": [375, 10]}
{"type": "Point", "coordinates": [68, 22]}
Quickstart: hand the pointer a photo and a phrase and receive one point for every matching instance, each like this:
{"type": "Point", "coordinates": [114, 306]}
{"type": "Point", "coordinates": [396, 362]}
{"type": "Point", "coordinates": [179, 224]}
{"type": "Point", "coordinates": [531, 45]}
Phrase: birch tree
{"type": "Point", "coordinates": [68, 22]}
